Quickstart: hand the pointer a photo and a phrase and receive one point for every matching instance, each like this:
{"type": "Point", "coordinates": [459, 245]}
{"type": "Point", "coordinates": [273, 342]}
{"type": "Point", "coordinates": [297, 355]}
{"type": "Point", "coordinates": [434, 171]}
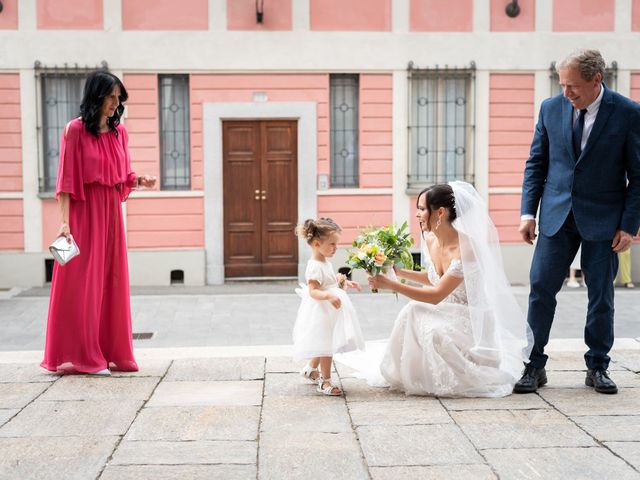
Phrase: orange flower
{"type": "Point", "coordinates": [380, 257]}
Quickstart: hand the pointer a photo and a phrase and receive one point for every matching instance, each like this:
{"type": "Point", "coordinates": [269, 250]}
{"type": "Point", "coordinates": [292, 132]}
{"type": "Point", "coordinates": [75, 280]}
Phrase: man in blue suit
{"type": "Point", "coordinates": [584, 173]}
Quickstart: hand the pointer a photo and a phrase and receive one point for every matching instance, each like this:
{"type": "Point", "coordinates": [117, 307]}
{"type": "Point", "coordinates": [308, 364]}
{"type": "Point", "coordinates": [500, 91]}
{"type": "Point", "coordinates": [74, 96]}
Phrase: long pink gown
{"type": "Point", "coordinates": [89, 323]}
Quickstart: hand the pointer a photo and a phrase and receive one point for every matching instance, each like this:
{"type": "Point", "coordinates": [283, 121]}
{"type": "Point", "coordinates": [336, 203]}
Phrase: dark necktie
{"type": "Point", "coordinates": [578, 127]}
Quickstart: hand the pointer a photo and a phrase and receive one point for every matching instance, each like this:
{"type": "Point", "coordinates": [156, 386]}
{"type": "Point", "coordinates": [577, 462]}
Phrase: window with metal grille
{"type": "Point", "coordinates": [610, 78]}
{"type": "Point", "coordinates": [441, 126]}
{"type": "Point", "coordinates": [61, 94]}
{"type": "Point", "coordinates": [344, 130]}
{"type": "Point", "coordinates": [175, 158]}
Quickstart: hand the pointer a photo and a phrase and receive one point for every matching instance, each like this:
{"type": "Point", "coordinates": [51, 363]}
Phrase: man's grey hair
{"type": "Point", "coordinates": [588, 62]}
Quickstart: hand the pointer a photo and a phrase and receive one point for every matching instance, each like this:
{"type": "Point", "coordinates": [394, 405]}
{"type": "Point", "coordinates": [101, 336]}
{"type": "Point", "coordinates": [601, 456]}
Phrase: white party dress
{"type": "Point", "coordinates": [320, 329]}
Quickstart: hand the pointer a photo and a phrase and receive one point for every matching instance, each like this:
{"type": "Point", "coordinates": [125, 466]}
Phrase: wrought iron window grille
{"type": "Point", "coordinates": [441, 128]}
{"type": "Point", "coordinates": [58, 96]}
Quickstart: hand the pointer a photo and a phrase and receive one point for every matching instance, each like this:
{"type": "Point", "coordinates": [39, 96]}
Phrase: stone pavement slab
{"type": "Point", "coordinates": [72, 418]}
{"type": "Point", "coordinates": [248, 368]}
{"type": "Point", "coordinates": [434, 472]}
{"type": "Point", "coordinates": [179, 472]}
{"type": "Point", "coordinates": [421, 411]}
{"type": "Point", "coordinates": [588, 402]}
{"type": "Point", "coordinates": [80, 387]}
{"type": "Point", "coordinates": [6, 414]}
{"type": "Point", "coordinates": [24, 373]}
{"type": "Point", "coordinates": [305, 414]}
{"type": "Point", "coordinates": [207, 393]}
{"type": "Point", "coordinates": [559, 464]}
{"type": "Point", "coordinates": [630, 451]}
{"type": "Point", "coordinates": [512, 402]}
{"type": "Point", "coordinates": [520, 429]}
{"type": "Point", "coordinates": [305, 455]}
{"type": "Point", "coordinates": [611, 428]}
{"type": "Point", "coordinates": [73, 458]}
{"type": "Point", "coordinates": [180, 423]}
{"type": "Point", "coordinates": [416, 445]}
{"type": "Point", "coordinates": [18, 395]}
{"type": "Point", "coordinates": [290, 385]}
{"type": "Point", "coordinates": [185, 453]}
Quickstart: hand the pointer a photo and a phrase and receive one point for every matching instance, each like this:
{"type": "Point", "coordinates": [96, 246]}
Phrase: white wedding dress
{"type": "Point", "coordinates": [471, 344]}
{"type": "Point", "coordinates": [431, 348]}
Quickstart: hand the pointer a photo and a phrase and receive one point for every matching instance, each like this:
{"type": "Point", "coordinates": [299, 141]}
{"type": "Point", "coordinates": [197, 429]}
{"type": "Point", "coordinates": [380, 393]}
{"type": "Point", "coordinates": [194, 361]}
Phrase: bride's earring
{"type": "Point", "coordinates": [438, 223]}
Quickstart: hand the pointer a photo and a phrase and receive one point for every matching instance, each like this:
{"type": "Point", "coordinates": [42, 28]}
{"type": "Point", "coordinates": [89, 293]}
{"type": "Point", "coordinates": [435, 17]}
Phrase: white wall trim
{"type": "Point", "coordinates": [27, 16]}
{"type": "Point", "coordinates": [504, 190]}
{"type": "Point", "coordinates": [218, 15]}
{"type": "Point", "coordinates": [400, 11]}
{"type": "Point", "coordinates": [11, 196]}
{"type": "Point", "coordinates": [400, 161]}
{"type": "Point", "coordinates": [213, 116]}
{"type": "Point", "coordinates": [355, 191]}
{"type": "Point", "coordinates": [112, 15]}
{"type": "Point", "coordinates": [300, 16]}
{"type": "Point", "coordinates": [481, 16]}
{"type": "Point", "coordinates": [544, 15]}
{"type": "Point", "coordinates": [167, 194]}
{"type": "Point", "coordinates": [622, 16]}
{"type": "Point", "coordinates": [31, 204]}
{"type": "Point", "coordinates": [481, 134]}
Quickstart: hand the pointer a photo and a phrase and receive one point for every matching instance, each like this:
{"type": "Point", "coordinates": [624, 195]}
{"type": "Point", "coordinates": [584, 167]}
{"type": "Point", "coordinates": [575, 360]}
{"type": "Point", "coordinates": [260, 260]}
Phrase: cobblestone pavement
{"type": "Point", "coordinates": [250, 415]}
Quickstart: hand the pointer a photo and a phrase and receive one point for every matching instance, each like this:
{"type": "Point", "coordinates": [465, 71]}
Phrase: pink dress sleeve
{"type": "Point", "coordinates": [70, 175]}
{"type": "Point", "coordinates": [131, 180]}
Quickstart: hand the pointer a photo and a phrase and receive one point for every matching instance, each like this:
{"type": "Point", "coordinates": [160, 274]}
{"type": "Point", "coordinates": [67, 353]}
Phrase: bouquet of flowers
{"type": "Point", "coordinates": [380, 248]}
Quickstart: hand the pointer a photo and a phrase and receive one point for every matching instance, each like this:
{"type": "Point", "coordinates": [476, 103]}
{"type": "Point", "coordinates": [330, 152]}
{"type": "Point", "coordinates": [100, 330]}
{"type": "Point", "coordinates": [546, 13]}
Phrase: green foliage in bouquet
{"type": "Point", "coordinates": [396, 243]}
{"type": "Point", "coordinates": [379, 248]}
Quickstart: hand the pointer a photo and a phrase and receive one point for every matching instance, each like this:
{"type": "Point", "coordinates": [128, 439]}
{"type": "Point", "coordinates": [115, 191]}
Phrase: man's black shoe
{"type": "Point", "coordinates": [599, 379]}
{"type": "Point", "coordinates": [532, 379]}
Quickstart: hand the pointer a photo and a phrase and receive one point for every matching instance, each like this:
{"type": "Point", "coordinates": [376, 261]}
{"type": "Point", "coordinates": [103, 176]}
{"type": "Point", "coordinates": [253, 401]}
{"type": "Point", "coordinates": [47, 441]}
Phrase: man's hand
{"type": "Point", "coordinates": [621, 241]}
{"type": "Point", "coordinates": [528, 230]}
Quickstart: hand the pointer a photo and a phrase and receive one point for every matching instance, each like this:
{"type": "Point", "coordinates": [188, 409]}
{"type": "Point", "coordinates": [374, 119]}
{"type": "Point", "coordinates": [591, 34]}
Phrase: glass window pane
{"type": "Point", "coordinates": [175, 156]}
{"type": "Point", "coordinates": [344, 130]}
{"type": "Point", "coordinates": [61, 97]}
{"type": "Point", "coordinates": [439, 127]}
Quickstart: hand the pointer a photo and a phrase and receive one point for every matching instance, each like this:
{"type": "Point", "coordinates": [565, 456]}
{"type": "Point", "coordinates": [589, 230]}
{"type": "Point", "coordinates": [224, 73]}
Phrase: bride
{"type": "Point", "coordinates": [463, 333]}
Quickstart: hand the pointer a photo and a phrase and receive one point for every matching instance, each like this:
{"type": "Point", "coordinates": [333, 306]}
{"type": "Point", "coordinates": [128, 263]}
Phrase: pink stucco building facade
{"type": "Point", "coordinates": [368, 100]}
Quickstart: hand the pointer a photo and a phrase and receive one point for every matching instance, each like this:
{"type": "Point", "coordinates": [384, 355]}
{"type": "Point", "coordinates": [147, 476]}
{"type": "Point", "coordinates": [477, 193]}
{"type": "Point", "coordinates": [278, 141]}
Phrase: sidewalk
{"type": "Point", "coordinates": [245, 413]}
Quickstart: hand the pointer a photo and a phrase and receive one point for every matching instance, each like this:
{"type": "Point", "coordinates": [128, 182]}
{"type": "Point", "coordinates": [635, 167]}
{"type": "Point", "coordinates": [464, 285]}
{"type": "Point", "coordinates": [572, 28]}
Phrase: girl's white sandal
{"type": "Point", "coordinates": [330, 390]}
{"type": "Point", "coordinates": [307, 372]}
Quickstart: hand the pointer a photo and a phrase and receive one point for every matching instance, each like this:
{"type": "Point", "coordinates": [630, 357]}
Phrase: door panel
{"type": "Point", "coordinates": [260, 198]}
{"type": "Point", "coordinates": [241, 174]}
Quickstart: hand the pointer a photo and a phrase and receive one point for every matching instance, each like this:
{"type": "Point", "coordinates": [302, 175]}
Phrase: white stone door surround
{"type": "Point", "coordinates": [213, 116]}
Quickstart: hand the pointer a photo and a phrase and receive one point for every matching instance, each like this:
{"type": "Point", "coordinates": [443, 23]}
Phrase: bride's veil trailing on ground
{"type": "Point", "coordinates": [501, 336]}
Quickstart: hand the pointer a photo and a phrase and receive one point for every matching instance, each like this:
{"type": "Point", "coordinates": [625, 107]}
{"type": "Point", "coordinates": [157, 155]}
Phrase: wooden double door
{"type": "Point", "coordinates": [260, 198]}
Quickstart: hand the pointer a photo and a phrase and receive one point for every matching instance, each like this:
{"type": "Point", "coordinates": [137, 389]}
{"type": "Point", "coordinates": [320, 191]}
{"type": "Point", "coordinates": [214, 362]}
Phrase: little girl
{"type": "Point", "coordinates": [327, 322]}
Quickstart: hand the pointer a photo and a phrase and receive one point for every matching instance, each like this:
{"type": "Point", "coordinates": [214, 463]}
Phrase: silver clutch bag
{"type": "Point", "coordinates": [64, 251]}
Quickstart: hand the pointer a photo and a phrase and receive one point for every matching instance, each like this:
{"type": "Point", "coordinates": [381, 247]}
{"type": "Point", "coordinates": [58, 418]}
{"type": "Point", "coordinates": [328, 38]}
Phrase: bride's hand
{"type": "Point", "coordinates": [379, 281]}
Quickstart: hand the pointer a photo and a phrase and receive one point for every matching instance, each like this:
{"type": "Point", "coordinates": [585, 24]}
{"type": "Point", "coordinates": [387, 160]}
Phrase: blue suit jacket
{"type": "Point", "coordinates": [602, 186]}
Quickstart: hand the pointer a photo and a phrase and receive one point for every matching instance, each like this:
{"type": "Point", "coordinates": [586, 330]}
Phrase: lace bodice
{"type": "Point", "coordinates": [459, 295]}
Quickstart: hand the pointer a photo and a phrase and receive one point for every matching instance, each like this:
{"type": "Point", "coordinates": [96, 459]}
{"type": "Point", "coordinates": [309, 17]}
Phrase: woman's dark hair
{"type": "Point", "coordinates": [316, 229]}
{"type": "Point", "coordinates": [440, 195]}
{"type": "Point", "coordinates": [99, 85]}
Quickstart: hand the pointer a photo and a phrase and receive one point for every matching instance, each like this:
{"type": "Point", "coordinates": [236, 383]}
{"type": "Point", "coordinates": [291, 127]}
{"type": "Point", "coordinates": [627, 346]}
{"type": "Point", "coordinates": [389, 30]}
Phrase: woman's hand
{"type": "Point", "coordinates": [65, 231]}
{"type": "Point", "coordinates": [147, 181]}
{"type": "Point", "coordinates": [379, 281]}
{"type": "Point", "coordinates": [335, 301]}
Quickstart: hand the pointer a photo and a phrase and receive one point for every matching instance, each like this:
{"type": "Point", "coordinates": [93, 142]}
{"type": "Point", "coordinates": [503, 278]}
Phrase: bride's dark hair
{"type": "Point", "coordinates": [440, 195]}
{"type": "Point", "coordinates": [99, 85]}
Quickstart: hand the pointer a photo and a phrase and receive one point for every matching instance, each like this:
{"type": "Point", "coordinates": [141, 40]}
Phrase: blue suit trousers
{"type": "Point", "coordinates": [551, 260]}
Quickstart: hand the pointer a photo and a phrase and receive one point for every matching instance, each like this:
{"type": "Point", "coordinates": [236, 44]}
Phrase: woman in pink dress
{"type": "Point", "coordinates": [89, 324]}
